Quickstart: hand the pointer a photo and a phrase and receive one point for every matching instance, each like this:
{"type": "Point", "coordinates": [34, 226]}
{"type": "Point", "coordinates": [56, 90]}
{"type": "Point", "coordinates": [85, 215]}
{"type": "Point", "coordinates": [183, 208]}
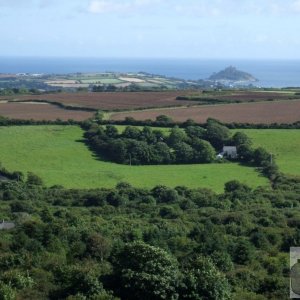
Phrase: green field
{"type": "Point", "coordinates": [283, 143]}
{"type": "Point", "coordinates": [57, 154]}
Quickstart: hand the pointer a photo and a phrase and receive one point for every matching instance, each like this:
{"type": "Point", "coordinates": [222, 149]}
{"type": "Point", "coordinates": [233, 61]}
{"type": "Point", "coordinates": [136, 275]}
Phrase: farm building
{"type": "Point", "coordinates": [6, 225]}
{"type": "Point", "coordinates": [229, 152]}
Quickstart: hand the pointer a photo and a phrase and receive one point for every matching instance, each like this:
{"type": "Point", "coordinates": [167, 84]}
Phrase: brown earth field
{"type": "Point", "coordinates": [287, 111]}
{"type": "Point", "coordinates": [111, 101]}
{"type": "Point", "coordinates": [40, 112]}
{"type": "Point", "coordinates": [245, 96]}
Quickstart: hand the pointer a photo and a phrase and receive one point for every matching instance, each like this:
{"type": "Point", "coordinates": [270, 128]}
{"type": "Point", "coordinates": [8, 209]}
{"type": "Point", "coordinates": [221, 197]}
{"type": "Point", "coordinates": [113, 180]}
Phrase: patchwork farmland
{"type": "Point", "coordinates": [227, 106]}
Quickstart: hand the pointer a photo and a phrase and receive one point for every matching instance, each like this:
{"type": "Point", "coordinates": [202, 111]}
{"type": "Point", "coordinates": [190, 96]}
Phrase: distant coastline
{"type": "Point", "coordinates": [271, 73]}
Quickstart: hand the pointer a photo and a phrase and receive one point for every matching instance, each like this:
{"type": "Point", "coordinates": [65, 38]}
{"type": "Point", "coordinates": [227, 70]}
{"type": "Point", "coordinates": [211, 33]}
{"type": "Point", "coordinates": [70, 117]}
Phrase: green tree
{"type": "Point", "coordinates": [195, 131]}
{"type": "Point", "coordinates": [203, 281]}
{"type": "Point", "coordinates": [33, 179]}
{"type": "Point", "coordinates": [99, 115]}
{"type": "Point", "coordinates": [98, 247]}
{"type": "Point", "coordinates": [7, 292]}
{"type": "Point", "coordinates": [235, 185]}
{"type": "Point", "coordinates": [240, 138]}
{"type": "Point", "coordinates": [243, 252]}
{"type": "Point", "coordinates": [217, 134]}
{"type": "Point", "coordinates": [76, 279]}
{"type": "Point", "coordinates": [146, 272]}
{"type": "Point", "coordinates": [222, 261]}
{"type": "Point", "coordinates": [111, 131]}
{"type": "Point", "coordinates": [132, 132]}
{"type": "Point", "coordinates": [141, 153]}
{"type": "Point", "coordinates": [261, 156]}
{"type": "Point", "coordinates": [163, 153]}
{"type": "Point", "coordinates": [204, 152]}
{"type": "Point", "coordinates": [164, 119]}
{"type": "Point", "coordinates": [184, 152]}
{"type": "Point", "coordinates": [19, 176]}
{"type": "Point", "coordinates": [245, 153]}
{"type": "Point", "coordinates": [147, 135]}
{"type": "Point", "coordinates": [118, 151]}
{"type": "Point", "coordinates": [176, 136]}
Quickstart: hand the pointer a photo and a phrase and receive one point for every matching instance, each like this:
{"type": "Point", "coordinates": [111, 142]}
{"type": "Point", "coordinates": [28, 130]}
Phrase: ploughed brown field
{"type": "Point", "coordinates": [110, 101]}
{"type": "Point", "coordinates": [287, 111]}
{"type": "Point", "coordinates": [245, 96]}
{"type": "Point", "coordinates": [27, 111]}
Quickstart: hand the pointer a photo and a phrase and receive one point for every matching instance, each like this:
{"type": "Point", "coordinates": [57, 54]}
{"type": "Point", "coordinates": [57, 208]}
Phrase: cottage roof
{"type": "Point", "coordinates": [229, 148]}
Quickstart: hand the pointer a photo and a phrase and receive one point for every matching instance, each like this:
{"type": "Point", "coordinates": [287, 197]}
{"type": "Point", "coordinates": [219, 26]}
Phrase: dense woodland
{"type": "Point", "coordinates": [147, 146]}
{"type": "Point", "coordinates": [129, 243]}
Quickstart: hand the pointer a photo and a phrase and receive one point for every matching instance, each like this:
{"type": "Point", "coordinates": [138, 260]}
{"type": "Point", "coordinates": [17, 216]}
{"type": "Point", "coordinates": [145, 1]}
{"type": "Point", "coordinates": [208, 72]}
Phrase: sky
{"type": "Point", "coordinates": [216, 29]}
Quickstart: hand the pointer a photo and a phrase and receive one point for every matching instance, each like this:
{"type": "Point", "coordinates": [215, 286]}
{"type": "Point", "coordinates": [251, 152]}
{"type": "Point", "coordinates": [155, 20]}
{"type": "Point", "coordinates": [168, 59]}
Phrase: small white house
{"type": "Point", "coordinates": [229, 152]}
{"type": "Point", "coordinates": [6, 225]}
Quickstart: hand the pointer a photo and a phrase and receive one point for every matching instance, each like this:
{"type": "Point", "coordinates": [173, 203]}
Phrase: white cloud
{"type": "Point", "coordinates": [115, 6]}
{"type": "Point", "coordinates": [98, 7]}
{"type": "Point", "coordinates": [219, 8]}
{"type": "Point", "coordinates": [296, 6]}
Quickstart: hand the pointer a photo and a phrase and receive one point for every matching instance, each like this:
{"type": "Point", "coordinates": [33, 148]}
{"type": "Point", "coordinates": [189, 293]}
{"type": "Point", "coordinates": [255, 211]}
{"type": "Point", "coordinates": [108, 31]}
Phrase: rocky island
{"type": "Point", "coordinates": [232, 74]}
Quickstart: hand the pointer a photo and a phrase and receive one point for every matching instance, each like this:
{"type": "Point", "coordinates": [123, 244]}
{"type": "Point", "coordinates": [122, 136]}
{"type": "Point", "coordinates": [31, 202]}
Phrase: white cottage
{"type": "Point", "coordinates": [229, 152]}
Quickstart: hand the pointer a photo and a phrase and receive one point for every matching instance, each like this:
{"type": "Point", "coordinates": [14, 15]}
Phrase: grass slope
{"type": "Point", "coordinates": [283, 143]}
{"type": "Point", "coordinates": [57, 155]}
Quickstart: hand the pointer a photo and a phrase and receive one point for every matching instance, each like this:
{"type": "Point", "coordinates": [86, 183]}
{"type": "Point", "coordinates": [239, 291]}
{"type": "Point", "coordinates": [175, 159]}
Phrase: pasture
{"type": "Point", "coordinates": [283, 143]}
{"type": "Point", "coordinates": [58, 155]}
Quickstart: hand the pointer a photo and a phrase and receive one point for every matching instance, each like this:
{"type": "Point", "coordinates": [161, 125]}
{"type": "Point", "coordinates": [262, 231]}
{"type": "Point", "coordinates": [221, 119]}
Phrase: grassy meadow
{"type": "Point", "coordinates": [58, 155]}
{"type": "Point", "coordinates": [283, 143]}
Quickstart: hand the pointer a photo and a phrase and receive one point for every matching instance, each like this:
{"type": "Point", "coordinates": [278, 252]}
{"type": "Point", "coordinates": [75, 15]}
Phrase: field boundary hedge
{"type": "Point", "coordinates": [131, 121]}
{"type": "Point", "coordinates": [59, 104]}
{"type": "Point", "coordinates": [90, 109]}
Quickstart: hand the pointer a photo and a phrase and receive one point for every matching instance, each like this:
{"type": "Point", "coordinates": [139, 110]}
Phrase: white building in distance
{"type": "Point", "coordinates": [229, 152]}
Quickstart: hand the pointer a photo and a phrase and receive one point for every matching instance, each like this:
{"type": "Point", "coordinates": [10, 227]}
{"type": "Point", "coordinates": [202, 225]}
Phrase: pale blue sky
{"type": "Point", "coordinates": [151, 28]}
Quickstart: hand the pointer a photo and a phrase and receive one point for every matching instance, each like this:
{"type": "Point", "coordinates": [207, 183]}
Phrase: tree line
{"type": "Point", "coordinates": [160, 121]}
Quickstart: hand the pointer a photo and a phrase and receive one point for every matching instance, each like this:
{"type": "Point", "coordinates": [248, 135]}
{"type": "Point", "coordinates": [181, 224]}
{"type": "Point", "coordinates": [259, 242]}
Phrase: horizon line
{"type": "Point", "coordinates": [146, 58]}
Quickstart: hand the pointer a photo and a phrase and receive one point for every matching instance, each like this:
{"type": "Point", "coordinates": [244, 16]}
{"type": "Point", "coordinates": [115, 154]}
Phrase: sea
{"type": "Point", "coordinates": [270, 73]}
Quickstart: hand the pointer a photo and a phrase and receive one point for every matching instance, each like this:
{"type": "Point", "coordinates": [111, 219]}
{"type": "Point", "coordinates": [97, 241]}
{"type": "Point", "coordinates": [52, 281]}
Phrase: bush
{"type": "Point", "coordinates": [202, 280]}
{"type": "Point", "coordinates": [146, 272]}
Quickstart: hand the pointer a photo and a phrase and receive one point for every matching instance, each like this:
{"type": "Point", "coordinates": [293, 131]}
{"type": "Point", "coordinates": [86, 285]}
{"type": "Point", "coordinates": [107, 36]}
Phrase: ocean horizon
{"type": "Point", "coordinates": [270, 73]}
